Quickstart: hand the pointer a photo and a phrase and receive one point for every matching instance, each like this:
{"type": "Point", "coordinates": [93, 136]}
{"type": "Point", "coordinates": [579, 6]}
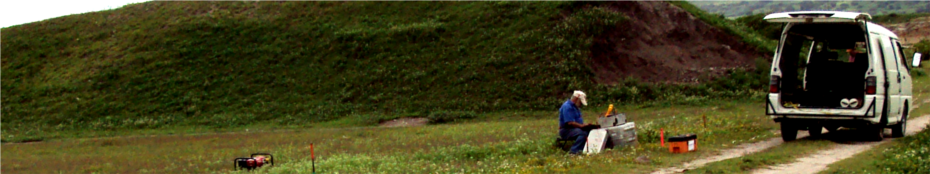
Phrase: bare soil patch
{"type": "Point", "coordinates": [664, 43]}
{"type": "Point", "coordinates": [405, 122]}
{"type": "Point", "coordinates": [912, 31]}
{"type": "Point", "coordinates": [27, 141]}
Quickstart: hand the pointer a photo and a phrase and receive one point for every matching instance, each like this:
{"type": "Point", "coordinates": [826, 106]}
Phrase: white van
{"type": "Point", "coordinates": [836, 69]}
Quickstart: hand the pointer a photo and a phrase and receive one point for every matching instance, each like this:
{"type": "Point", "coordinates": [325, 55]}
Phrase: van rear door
{"type": "Point", "coordinates": [775, 104]}
{"type": "Point", "coordinates": [816, 16]}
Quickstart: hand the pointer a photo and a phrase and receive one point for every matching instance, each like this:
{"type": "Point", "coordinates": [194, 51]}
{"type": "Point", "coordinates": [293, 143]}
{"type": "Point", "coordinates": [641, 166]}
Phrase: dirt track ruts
{"type": "Point", "coordinates": [819, 161]}
{"type": "Point", "coordinates": [810, 164]}
{"type": "Point", "coordinates": [738, 151]}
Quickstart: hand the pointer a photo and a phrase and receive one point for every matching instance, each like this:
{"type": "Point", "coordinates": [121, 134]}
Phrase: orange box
{"type": "Point", "coordinates": [682, 143]}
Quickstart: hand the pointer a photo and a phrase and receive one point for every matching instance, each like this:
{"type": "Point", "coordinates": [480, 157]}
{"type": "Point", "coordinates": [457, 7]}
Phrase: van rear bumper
{"type": "Point", "coordinates": [849, 122]}
{"type": "Point", "coordinates": [869, 111]}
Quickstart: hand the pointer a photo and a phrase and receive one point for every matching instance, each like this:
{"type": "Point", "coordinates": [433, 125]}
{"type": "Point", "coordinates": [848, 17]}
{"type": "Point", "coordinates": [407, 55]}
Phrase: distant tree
{"type": "Point", "coordinates": [806, 5]}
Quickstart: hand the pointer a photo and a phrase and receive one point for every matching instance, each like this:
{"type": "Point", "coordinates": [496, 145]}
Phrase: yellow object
{"type": "Point", "coordinates": [609, 108]}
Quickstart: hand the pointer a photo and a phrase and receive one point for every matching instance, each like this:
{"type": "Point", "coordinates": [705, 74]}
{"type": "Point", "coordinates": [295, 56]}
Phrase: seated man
{"type": "Point", "coordinates": [570, 122]}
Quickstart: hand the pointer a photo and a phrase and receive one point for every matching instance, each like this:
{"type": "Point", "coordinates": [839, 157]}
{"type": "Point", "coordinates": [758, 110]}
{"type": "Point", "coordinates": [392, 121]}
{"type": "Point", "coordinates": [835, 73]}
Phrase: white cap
{"type": "Point", "coordinates": [581, 96]}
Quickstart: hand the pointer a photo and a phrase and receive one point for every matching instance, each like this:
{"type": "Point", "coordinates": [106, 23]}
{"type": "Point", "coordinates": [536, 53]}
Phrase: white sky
{"type": "Point", "coordinates": [15, 12]}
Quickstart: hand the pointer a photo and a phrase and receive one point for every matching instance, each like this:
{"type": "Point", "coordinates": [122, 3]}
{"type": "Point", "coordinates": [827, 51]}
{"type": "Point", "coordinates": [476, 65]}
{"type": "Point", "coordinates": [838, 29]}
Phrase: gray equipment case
{"type": "Point", "coordinates": [612, 120]}
{"type": "Point", "coordinates": [622, 135]}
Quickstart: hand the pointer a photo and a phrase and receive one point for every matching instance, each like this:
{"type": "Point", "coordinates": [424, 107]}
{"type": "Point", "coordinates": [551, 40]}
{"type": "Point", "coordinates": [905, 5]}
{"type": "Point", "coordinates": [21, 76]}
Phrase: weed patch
{"type": "Point", "coordinates": [918, 73]}
{"type": "Point", "coordinates": [909, 157]}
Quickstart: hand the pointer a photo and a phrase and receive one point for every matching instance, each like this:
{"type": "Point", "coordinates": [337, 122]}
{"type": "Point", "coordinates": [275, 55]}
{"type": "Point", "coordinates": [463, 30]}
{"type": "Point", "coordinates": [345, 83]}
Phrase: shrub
{"type": "Point", "coordinates": [923, 47]}
{"type": "Point", "coordinates": [437, 117]}
{"type": "Point", "coordinates": [918, 73]}
{"type": "Point", "coordinates": [769, 30]}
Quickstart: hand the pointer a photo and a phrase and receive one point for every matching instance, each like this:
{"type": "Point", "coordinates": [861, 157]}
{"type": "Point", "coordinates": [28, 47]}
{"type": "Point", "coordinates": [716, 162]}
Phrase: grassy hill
{"type": "Point", "coordinates": [742, 8]}
{"type": "Point", "coordinates": [224, 64]}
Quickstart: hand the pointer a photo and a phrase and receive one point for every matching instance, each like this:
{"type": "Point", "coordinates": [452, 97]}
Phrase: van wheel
{"type": "Point", "coordinates": [788, 132]}
{"type": "Point", "coordinates": [815, 131]}
{"type": "Point", "coordinates": [899, 129]}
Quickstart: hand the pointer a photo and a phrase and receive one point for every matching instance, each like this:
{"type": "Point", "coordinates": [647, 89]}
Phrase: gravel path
{"type": "Point", "coordinates": [819, 161]}
{"type": "Point", "coordinates": [729, 153]}
{"type": "Point", "coordinates": [810, 164]}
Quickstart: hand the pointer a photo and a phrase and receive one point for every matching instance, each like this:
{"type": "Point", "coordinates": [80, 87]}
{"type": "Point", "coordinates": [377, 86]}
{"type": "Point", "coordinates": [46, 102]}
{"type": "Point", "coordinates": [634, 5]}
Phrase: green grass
{"type": "Point", "coordinates": [728, 124]}
{"type": "Point", "coordinates": [228, 64]}
{"type": "Point", "coordinates": [521, 140]}
{"type": "Point", "coordinates": [781, 154]}
{"type": "Point", "coordinates": [219, 65]}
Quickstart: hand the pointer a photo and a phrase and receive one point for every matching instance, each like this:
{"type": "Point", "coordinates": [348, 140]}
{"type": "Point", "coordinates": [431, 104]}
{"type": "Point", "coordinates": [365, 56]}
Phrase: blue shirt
{"type": "Point", "coordinates": [569, 112]}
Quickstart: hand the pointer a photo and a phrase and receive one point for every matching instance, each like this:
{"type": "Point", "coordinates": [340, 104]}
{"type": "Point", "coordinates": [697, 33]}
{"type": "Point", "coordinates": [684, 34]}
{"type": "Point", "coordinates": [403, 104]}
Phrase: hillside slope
{"type": "Point", "coordinates": [912, 30]}
{"type": "Point", "coordinates": [233, 63]}
{"type": "Point", "coordinates": [742, 8]}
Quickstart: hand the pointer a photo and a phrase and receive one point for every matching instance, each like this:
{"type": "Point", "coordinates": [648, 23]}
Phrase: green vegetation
{"type": "Point", "coordinates": [897, 18]}
{"type": "Point", "coordinates": [532, 153]}
{"type": "Point", "coordinates": [742, 8]}
{"type": "Point", "coordinates": [769, 30]}
{"type": "Point", "coordinates": [923, 47]}
{"type": "Point", "coordinates": [514, 141]}
{"type": "Point", "coordinates": [227, 64]}
{"type": "Point", "coordinates": [230, 64]}
{"type": "Point", "coordinates": [918, 73]}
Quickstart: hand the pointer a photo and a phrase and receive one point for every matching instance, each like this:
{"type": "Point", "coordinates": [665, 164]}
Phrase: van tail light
{"type": "Point", "coordinates": [774, 83]}
{"type": "Point", "coordinates": [870, 85]}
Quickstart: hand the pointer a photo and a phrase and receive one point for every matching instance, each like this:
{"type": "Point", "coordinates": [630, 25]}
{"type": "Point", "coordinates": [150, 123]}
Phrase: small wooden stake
{"type": "Point", "coordinates": [312, 159]}
{"type": "Point", "coordinates": [704, 119]}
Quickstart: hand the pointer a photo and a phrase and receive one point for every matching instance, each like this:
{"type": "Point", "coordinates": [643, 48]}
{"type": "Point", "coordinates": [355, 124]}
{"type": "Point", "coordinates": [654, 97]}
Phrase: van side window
{"type": "Point", "coordinates": [901, 55]}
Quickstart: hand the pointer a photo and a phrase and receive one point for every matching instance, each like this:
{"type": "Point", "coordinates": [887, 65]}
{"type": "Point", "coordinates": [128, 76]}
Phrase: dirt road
{"type": "Point", "coordinates": [819, 161]}
{"type": "Point", "coordinates": [811, 164]}
{"type": "Point", "coordinates": [738, 151]}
